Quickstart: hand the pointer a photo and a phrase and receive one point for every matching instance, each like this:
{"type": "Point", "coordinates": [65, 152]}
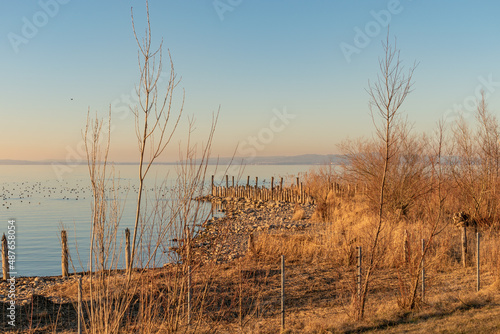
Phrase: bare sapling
{"type": "Point", "coordinates": [476, 167]}
{"type": "Point", "coordinates": [105, 301]}
{"type": "Point", "coordinates": [155, 121]}
{"type": "Point", "coordinates": [435, 214]}
{"type": "Point", "coordinates": [387, 94]}
{"type": "Point", "coordinates": [488, 138]}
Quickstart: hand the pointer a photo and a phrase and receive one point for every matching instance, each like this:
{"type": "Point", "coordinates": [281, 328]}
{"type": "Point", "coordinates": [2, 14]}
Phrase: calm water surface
{"type": "Point", "coordinates": [41, 202]}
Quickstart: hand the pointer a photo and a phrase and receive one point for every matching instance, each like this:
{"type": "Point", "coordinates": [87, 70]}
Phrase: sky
{"type": "Point", "coordinates": [289, 77]}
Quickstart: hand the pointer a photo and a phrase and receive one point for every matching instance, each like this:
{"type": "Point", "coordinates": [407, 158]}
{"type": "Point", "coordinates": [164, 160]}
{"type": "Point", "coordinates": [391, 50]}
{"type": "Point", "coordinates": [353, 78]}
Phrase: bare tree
{"type": "Point", "coordinates": [435, 205]}
{"type": "Point", "coordinates": [387, 94]}
{"type": "Point", "coordinates": [105, 307]}
{"type": "Point", "coordinates": [154, 115]}
{"type": "Point", "coordinates": [112, 296]}
{"type": "Point", "coordinates": [476, 166]}
{"type": "Point", "coordinates": [488, 139]}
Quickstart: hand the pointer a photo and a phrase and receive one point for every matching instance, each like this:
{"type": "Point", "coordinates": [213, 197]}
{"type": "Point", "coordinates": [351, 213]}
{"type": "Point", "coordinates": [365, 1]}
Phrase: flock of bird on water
{"type": "Point", "coordinates": [33, 192]}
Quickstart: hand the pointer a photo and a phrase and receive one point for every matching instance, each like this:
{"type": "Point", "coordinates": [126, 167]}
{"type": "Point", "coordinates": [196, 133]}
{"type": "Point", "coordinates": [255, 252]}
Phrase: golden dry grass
{"type": "Point", "coordinates": [244, 295]}
{"type": "Point", "coordinates": [331, 246]}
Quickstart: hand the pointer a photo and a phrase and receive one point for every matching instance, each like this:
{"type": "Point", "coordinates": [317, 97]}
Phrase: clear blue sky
{"type": "Point", "coordinates": [253, 58]}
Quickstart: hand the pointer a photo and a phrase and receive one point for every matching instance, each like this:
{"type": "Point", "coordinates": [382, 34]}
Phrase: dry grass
{"type": "Point", "coordinates": [331, 247]}
{"type": "Point", "coordinates": [244, 295]}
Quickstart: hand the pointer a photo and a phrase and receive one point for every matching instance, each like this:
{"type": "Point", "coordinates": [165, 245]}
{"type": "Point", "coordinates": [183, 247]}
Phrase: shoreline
{"type": "Point", "coordinates": [220, 239]}
{"type": "Point", "coordinates": [224, 239]}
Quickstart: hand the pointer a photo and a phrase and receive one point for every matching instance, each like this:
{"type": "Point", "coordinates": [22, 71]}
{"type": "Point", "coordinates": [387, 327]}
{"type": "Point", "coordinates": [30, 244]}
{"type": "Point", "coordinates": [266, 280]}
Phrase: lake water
{"type": "Point", "coordinates": [41, 200]}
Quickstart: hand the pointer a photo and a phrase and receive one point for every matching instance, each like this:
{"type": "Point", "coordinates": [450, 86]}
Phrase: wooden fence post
{"type": "Point", "coordinates": [282, 293]}
{"type": "Point", "coordinates": [79, 304]}
{"type": "Point", "coordinates": [464, 245]}
{"type": "Point", "coordinates": [5, 259]}
{"type": "Point", "coordinates": [272, 187]}
{"type": "Point", "coordinates": [64, 255]}
{"type": "Point", "coordinates": [189, 295]}
{"type": "Point", "coordinates": [187, 244]}
{"type": "Point", "coordinates": [227, 181]}
{"type": "Point", "coordinates": [240, 302]}
{"type": "Point", "coordinates": [478, 258]}
{"type": "Point", "coordinates": [213, 189]}
{"type": "Point", "coordinates": [127, 249]}
{"type": "Point", "coordinates": [423, 271]}
{"type": "Point", "coordinates": [301, 190]}
{"type": "Point", "coordinates": [359, 273]}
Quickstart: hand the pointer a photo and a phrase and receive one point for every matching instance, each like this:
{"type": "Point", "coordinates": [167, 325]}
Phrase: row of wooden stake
{"type": "Point", "coordinates": [293, 194]}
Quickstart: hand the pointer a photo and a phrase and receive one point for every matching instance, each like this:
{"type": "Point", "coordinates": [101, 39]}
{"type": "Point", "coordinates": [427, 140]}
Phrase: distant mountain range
{"type": "Point", "coordinates": [304, 159]}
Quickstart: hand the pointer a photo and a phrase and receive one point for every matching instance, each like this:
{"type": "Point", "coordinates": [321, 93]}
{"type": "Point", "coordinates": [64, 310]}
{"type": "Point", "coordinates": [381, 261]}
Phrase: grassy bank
{"type": "Point", "coordinates": [243, 294]}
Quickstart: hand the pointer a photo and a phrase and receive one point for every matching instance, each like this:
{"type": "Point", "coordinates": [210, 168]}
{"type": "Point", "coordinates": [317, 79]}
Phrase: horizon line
{"type": "Point", "coordinates": [286, 159]}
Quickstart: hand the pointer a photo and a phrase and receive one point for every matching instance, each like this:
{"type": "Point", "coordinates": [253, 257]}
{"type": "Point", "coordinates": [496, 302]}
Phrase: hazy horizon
{"type": "Point", "coordinates": [303, 159]}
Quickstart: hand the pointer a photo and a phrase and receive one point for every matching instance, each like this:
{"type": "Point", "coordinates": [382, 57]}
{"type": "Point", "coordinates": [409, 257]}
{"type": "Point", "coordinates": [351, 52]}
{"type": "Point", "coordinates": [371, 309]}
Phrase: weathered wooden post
{"type": "Point", "coordinates": [464, 245]}
{"type": "Point", "coordinates": [461, 220]}
{"type": "Point", "coordinates": [227, 181]}
{"type": "Point", "coordinates": [256, 187]}
{"type": "Point", "coordinates": [5, 259]}
{"type": "Point", "coordinates": [233, 180]}
{"type": "Point", "coordinates": [423, 271]}
{"type": "Point", "coordinates": [301, 194]}
{"type": "Point", "coordinates": [272, 187]}
{"type": "Point", "coordinates": [127, 249]}
{"type": "Point", "coordinates": [79, 304]}
{"type": "Point", "coordinates": [64, 255]}
{"type": "Point", "coordinates": [478, 258]}
{"type": "Point", "coordinates": [189, 296]}
{"type": "Point", "coordinates": [187, 244]}
{"type": "Point", "coordinates": [359, 273]}
{"type": "Point", "coordinates": [248, 181]}
{"type": "Point", "coordinates": [282, 293]}
{"type": "Point", "coordinates": [213, 190]}
{"type": "Point", "coordinates": [240, 313]}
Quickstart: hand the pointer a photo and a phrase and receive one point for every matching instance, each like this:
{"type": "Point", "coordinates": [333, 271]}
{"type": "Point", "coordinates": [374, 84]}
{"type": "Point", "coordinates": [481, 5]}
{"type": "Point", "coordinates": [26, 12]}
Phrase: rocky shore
{"type": "Point", "coordinates": [25, 287]}
{"type": "Point", "coordinates": [220, 239]}
{"type": "Point", "coordinates": [223, 239]}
